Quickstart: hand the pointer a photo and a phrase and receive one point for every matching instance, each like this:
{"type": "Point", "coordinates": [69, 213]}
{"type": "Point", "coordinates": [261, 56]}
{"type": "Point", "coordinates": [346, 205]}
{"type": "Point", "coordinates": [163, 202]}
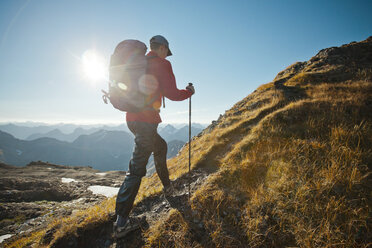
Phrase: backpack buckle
{"type": "Point", "coordinates": [105, 96]}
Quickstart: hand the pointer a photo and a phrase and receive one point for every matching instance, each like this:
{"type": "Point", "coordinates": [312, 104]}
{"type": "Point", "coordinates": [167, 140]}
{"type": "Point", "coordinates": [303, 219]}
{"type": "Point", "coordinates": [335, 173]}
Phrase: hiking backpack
{"type": "Point", "coordinates": [127, 70]}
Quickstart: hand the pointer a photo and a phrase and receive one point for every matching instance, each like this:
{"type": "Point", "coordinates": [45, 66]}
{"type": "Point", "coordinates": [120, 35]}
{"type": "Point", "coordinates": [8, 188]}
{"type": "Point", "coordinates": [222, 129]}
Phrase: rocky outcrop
{"type": "Point", "coordinates": [334, 64]}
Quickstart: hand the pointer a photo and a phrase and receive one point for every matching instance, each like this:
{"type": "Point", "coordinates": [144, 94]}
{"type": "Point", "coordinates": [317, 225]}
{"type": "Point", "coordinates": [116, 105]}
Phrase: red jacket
{"type": "Point", "coordinates": [163, 84]}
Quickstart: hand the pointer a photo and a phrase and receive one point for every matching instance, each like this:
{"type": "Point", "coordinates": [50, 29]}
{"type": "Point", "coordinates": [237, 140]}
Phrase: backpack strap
{"type": "Point", "coordinates": [148, 58]}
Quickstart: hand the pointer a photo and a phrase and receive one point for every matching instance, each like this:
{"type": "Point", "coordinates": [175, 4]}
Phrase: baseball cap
{"type": "Point", "coordinates": [161, 40]}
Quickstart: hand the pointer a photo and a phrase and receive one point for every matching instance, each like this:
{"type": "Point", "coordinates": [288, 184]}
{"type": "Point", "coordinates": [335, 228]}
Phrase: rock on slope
{"type": "Point", "coordinates": [287, 166]}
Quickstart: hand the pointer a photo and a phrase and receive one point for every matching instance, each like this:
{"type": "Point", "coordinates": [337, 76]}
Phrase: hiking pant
{"type": "Point", "coordinates": [147, 141]}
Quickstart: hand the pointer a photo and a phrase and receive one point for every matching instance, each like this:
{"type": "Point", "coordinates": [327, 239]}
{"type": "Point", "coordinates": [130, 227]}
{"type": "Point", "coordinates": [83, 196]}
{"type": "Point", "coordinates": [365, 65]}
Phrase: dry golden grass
{"type": "Point", "coordinates": [300, 78]}
{"type": "Point", "coordinates": [27, 241]}
{"type": "Point", "coordinates": [299, 177]}
{"type": "Point", "coordinates": [65, 226]}
{"type": "Point", "coordinates": [265, 86]}
{"type": "Point", "coordinates": [175, 230]}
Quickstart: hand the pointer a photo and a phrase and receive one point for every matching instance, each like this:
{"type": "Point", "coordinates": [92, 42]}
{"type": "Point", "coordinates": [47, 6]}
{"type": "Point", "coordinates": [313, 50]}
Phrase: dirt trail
{"type": "Point", "coordinates": [153, 208]}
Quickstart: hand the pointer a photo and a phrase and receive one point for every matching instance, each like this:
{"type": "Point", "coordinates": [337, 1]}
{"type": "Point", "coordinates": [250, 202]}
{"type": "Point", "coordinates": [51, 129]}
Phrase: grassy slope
{"type": "Point", "coordinates": [293, 162]}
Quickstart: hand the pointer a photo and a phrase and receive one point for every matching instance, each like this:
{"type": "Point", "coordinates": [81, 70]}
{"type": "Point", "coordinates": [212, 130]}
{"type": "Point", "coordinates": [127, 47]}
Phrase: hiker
{"type": "Point", "coordinates": [143, 125]}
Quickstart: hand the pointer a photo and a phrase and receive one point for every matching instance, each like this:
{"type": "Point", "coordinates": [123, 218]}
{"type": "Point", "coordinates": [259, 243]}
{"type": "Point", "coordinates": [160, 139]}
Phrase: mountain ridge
{"type": "Point", "coordinates": [110, 156]}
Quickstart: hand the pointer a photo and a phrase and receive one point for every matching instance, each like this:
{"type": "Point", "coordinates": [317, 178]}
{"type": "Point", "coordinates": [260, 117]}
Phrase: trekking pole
{"type": "Point", "coordinates": [190, 84]}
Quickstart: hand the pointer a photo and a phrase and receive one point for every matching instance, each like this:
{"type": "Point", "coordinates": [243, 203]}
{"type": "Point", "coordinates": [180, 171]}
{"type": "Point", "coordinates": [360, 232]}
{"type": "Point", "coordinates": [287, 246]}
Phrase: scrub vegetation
{"type": "Point", "coordinates": [289, 166]}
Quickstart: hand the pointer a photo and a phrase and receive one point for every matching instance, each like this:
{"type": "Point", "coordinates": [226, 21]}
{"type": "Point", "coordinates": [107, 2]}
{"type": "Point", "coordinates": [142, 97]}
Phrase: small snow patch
{"type": "Point", "coordinates": [68, 180]}
{"type": "Point", "coordinates": [101, 174]}
{"type": "Point", "coordinates": [77, 201]}
{"type": "Point", "coordinates": [103, 190]}
{"type": "Point", "coordinates": [4, 237]}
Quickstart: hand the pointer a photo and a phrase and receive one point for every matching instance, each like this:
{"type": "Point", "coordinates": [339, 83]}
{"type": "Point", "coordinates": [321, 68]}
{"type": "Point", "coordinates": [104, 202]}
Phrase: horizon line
{"type": "Point", "coordinates": [82, 123]}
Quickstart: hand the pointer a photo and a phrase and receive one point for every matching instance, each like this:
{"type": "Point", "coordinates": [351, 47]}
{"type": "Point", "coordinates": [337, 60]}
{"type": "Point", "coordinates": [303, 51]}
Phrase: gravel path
{"type": "Point", "coordinates": [153, 208]}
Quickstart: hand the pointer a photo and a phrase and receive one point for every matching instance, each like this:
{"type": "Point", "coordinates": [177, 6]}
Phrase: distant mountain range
{"type": "Point", "coordinates": [63, 132]}
{"type": "Point", "coordinates": [57, 134]}
{"type": "Point", "coordinates": [170, 133]}
{"type": "Point", "coordinates": [69, 132]}
{"type": "Point", "coordinates": [99, 150]}
{"type": "Point", "coordinates": [102, 149]}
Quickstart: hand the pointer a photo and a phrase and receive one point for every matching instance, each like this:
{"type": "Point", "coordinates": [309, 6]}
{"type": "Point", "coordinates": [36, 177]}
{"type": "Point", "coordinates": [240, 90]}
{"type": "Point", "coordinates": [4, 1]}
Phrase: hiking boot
{"type": "Point", "coordinates": [168, 190]}
{"type": "Point", "coordinates": [121, 231]}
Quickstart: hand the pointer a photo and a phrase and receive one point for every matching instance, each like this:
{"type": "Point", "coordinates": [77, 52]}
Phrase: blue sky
{"type": "Point", "coordinates": [226, 48]}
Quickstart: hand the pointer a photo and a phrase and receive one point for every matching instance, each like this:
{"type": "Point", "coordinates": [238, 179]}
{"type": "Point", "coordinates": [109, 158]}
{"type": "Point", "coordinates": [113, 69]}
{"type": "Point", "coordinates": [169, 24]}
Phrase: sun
{"type": "Point", "coordinates": [93, 66]}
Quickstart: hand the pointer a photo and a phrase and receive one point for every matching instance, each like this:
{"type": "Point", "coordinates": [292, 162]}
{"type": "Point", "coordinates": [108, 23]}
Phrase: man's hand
{"type": "Point", "coordinates": [191, 88]}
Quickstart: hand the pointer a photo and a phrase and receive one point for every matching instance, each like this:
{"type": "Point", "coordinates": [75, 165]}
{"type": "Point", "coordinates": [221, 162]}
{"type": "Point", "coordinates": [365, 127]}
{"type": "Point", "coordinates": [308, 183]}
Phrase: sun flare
{"type": "Point", "coordinates": [94, 67]}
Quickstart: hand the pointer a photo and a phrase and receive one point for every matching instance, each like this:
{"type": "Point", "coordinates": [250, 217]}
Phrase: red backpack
{"type": "Point", "coordinates": [127, 70]}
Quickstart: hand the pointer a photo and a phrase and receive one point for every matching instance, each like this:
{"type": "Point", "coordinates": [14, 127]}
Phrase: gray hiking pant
{"type": "Point", "coordinates": [147, 141]}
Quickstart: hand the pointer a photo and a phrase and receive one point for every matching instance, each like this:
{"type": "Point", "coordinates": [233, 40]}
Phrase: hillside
{"type": "Point", "coordinates": [287, 166]}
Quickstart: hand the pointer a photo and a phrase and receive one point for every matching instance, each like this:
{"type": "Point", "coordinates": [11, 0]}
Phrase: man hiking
{"type": "Point", "coordinates": [143, 125]}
